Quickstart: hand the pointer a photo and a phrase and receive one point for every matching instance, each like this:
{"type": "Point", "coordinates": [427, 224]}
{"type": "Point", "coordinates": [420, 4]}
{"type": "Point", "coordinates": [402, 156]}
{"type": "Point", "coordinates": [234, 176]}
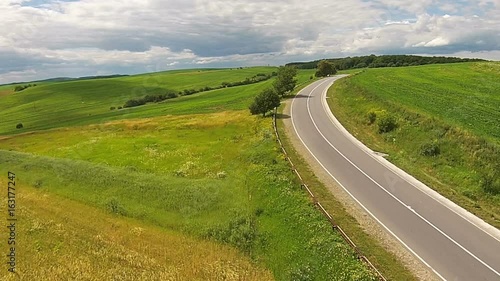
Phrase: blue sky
{"type": "Point", "coordinates": [44, 38]}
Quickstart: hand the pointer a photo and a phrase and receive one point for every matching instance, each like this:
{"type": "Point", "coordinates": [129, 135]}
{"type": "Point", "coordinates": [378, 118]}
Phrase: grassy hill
{"type": "Point", "coordinates": [197, 168]}
{"type": "Point", "coordinates": [53, 105]}
{"type": "Point", "coordinates": [448, 126]}
{"type": "Point", "coordinates": [61, 239]}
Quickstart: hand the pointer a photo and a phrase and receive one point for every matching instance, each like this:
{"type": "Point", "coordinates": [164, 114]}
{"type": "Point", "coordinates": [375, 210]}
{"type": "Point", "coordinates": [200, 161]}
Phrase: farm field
{"type": "Point", "coordinates": [198, 169]}
{"type": "Point", "coordinates": [448, 124]}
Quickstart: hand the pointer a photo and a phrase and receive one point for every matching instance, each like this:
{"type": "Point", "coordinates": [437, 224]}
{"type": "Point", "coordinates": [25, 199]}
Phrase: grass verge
{"type": "Point", "coordinates": [386, 262]}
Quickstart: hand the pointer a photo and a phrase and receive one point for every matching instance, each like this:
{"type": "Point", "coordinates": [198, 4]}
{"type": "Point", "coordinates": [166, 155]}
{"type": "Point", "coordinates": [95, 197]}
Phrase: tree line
{"type": "Point", "coordinates": [169, 94]}
{"type": "Point", "coordinates": [373, 61]}
{"type": "Point", "coordinates": [23, 87]}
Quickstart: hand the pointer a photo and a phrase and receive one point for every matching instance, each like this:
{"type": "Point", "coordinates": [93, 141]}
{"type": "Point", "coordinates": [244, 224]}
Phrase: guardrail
{"type": "Point", "coordinates": [335, 226]}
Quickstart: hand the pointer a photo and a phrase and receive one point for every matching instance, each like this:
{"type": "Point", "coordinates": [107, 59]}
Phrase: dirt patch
{"type": "Point", "coordinates": [369, 225]}
{"type": "Point", "coordinates": [6, 92]}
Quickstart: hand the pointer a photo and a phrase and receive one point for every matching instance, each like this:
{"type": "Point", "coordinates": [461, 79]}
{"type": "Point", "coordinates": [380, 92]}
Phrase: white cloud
{"type": "Point", "coordinates": [439, 41]}
{"type": "Point", "coordinates": [91, 36]}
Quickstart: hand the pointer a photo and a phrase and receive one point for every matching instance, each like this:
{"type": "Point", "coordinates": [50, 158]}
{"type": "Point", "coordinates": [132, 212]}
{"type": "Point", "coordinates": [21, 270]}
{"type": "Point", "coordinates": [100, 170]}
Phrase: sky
{"type": "Point", "coordinates": [42, 39]}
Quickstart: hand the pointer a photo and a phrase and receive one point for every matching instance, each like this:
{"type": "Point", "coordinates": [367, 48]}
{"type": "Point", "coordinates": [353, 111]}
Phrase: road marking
{"type": "Point", "coordinates": [354, 198]}
{"type": "Point", "coordinates": [390, 194]}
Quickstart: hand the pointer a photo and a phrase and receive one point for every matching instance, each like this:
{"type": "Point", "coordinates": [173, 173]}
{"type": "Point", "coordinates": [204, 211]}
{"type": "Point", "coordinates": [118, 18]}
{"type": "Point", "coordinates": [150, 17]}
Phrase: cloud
{"type": "Point", "coordinates": [86, 37]}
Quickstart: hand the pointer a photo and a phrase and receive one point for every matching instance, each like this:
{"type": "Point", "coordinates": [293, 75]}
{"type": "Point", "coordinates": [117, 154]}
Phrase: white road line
{"type": "Point", "coordinates": [354, 198]}
{"type": "Point", "coordinates": [392, 195]}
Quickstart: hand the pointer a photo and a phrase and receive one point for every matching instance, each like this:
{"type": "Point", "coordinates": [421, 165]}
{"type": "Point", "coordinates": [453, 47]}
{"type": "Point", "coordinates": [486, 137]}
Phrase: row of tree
{"type": "Point", "coordinates": [269, 98]}
{"type": "Point", "coordinates": [23, 87]}
{"type": "Point", "coordinates": [259, 77]}
{"type": "Point", "coordinates": [373, 61]}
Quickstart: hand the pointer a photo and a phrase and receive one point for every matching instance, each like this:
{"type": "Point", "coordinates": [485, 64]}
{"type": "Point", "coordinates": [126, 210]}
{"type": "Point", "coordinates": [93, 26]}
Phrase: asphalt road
{"type": "Point", "coordinates": [454, 245]}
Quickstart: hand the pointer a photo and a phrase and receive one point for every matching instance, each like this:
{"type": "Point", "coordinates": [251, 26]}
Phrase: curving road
{"type": "Point", "coordinates": [454, 244]}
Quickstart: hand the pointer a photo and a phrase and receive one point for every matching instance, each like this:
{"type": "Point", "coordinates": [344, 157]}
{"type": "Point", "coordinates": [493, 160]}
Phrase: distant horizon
{"type": "Point", "coordinates": [206, 67]}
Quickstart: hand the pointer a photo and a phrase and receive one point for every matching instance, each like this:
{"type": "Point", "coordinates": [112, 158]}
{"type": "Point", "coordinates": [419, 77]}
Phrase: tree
{"type": "Point", "coordinates": [325, 68]}
{"type": "Point", "coordinates": [265, 101]}
{"type": "Point", "coordinates": [285, 81]}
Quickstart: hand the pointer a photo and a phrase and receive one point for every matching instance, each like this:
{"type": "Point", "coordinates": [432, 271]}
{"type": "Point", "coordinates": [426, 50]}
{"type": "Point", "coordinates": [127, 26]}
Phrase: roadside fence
{"type": "Point", "coordinates": [335, 226]}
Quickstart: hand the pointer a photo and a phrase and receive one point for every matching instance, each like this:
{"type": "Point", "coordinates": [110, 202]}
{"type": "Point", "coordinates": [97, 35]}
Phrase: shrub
{"type": "Point", "coordinates": [170, 95]}
{"type": "Point", "coordinates": [430, 149]}
{"type": "Point", "coordinates": [120, 107]}
{"type": "Point", "coordinates": [372, 116]}
{"type": "Point", "coordinates": [112, 108]}
{"type": "Point", "coordinates": [19, 126]}
{"type": "Point", "coordinates": [386, 123]}
{"type": "Point", "coordinates": [188, 92]}
{"type": "Point", "coordinates": [241, 232]}
{"type": "Point", "coordinates": [491, 183]}
{"type": "Point", "coordinates": [114, 206]}
{"type": "Point", "coordinates": [132, 103]}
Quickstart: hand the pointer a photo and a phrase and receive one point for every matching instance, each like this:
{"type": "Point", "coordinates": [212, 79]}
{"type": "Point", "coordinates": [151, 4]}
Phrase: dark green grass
{"type": "Point", "coordinates": [466, 95]}
{"type": "Point", "coordinates": [455, 107]}
{"type": "Point", "coordinates": [83, 102]}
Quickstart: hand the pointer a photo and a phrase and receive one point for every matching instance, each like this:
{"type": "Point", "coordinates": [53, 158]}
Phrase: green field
{"type": "Point", "coordinates": [198, 168]}
{"type": "Point", "coordinates": [453, 108]}
{"type": "Point", "coordinates": [71, 103]}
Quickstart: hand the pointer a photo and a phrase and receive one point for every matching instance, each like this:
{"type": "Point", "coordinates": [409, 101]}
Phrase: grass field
{"type": "Point", "coordinates": [60, 239]}
{"type": "Point", "coordinates": [453, 109]}
{"type": "Point", "coordinates": [88, 101]}
{"type": "Point", "coordinates": [202, 168]}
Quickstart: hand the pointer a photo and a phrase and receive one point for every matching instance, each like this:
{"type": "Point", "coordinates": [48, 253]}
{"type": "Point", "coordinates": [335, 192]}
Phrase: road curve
{"type": "Point", "coordinates": [450, 243]}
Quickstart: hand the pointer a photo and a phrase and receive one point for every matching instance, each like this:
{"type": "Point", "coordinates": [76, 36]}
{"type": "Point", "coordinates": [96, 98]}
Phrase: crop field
{"type": "Point", "coordinates": [197, 170]}
{"type": "Point", "coordinates": [465, 95]}
{"type": "Point", "coordinates": [448, 126]}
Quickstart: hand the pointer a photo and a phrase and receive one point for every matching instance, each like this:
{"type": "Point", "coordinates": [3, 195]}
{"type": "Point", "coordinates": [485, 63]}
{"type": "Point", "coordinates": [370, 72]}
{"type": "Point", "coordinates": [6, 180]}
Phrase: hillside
{"type": "Point", "coordinates": [88, 101]}
{"type": "Point", "coordinates": [61, 239]}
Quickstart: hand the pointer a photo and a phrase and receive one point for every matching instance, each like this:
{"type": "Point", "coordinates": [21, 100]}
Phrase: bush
{"type": "Point", "coordinates": [120, 107]}
{"type": "Point", "coordinates": [19, 126]}
{"type": "Point", "coordinates": [170, 95]}
{"type": "Point", "coordinates": [491, 183]}
{"type": "Point", "coordinates": [114, 206]}
{"type": "Point", "coordinates": [132, 103]}
{"type": "Point", "coordinates": [372, 116]}
{"type": "Point", "coordinates": [112, 108]}
{"type": "Point", "coordinates": [386, 123]}
{"type": "Point", "coordinates": [241, 232]}
{"type": "Point", "coordinates": [430, 149]}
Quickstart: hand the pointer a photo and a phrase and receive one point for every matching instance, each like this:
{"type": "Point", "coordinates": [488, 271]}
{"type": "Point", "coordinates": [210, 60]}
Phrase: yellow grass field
{"type": "Point", "coordinates": [60, 239]}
